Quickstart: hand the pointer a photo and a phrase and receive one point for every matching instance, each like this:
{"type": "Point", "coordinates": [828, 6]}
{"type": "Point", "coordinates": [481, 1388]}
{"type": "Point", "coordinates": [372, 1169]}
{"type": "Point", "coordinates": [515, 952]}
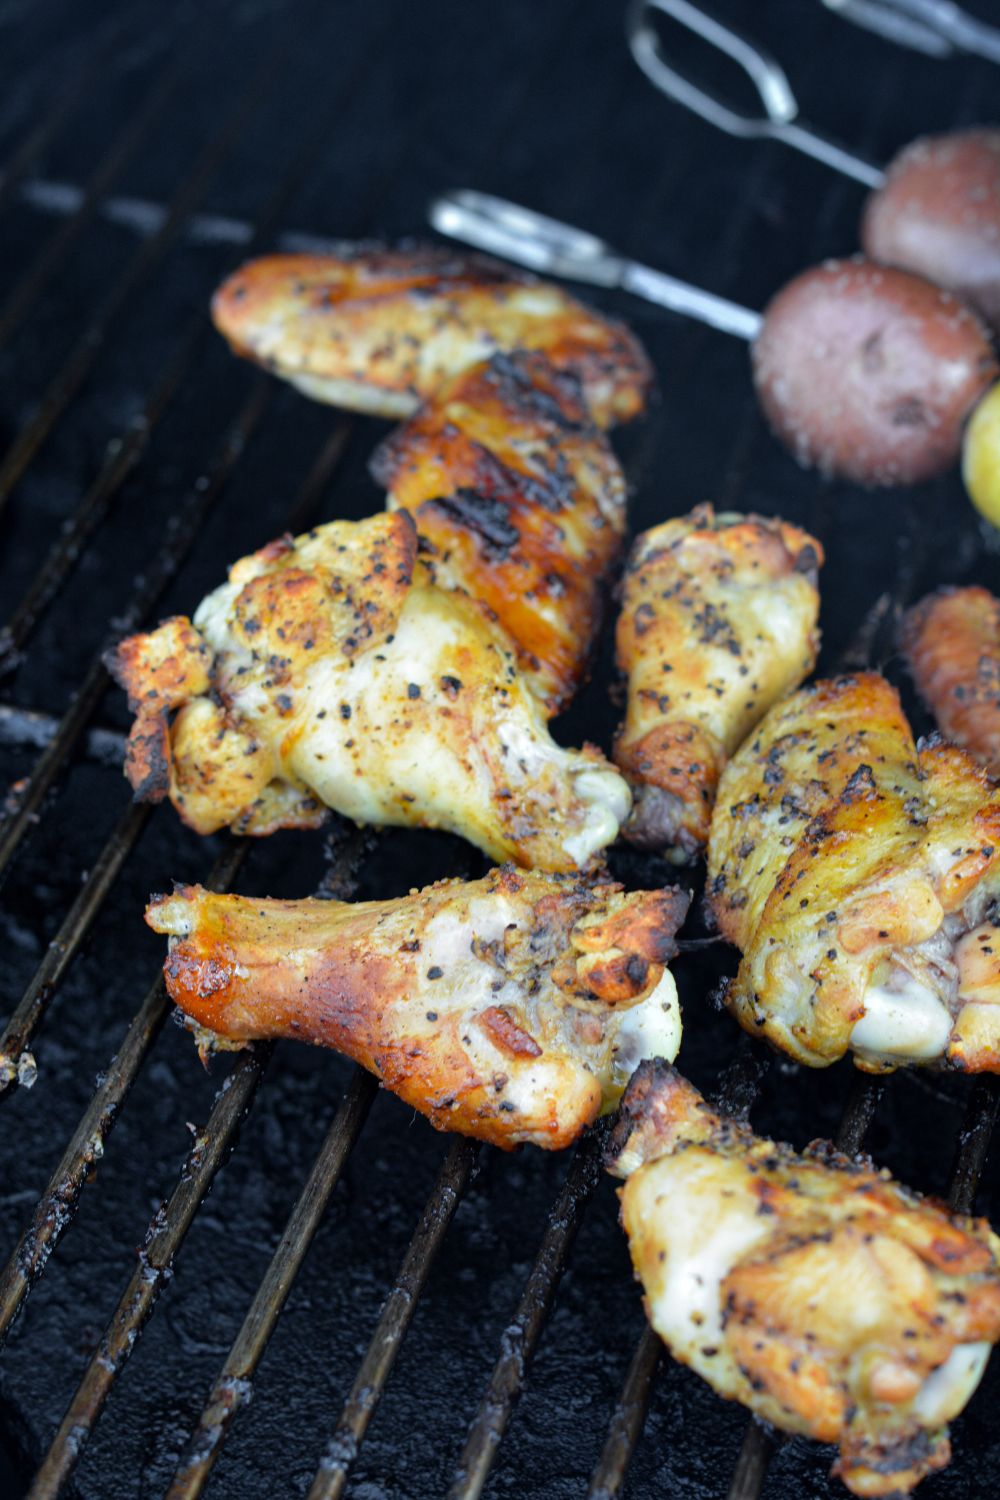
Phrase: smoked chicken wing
{"type": "Point", "coordinates": [848, 865]}
{"type": "Point", "coordinates": [718, 621]}
{"type": "Point", "coordinates": [380, 330]}
{"type": "Point", "coordinates": [331, 671]}
{"type": "Point", "coordinates": [951, 641]}
{"type": "Point", "coordinates": [512, 1008]}
{"type": "Point", "coordinates": [519, 500]}
{"type": "Point", "coordinates": [812, 1288]}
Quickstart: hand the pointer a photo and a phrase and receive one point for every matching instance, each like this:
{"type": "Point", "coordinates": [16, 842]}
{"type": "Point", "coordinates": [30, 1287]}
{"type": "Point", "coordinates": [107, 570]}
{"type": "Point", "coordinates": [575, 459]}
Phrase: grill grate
{"type": "Point", "coordinates": [573, 43]}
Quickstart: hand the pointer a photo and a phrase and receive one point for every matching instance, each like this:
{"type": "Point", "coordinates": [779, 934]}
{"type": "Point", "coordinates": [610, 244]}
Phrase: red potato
{"type": "Point", "coordinates": [869, 373]}
{"type": "Point", "coordinates": [938, 213]}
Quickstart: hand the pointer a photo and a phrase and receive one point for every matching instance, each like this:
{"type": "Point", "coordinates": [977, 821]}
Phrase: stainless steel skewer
{"type": "Point", "coordinates": [936, 27]}
{"type": "Point", "coordinates": [780, 121]}
{"type": "Point", "coordinates": [547, 245]}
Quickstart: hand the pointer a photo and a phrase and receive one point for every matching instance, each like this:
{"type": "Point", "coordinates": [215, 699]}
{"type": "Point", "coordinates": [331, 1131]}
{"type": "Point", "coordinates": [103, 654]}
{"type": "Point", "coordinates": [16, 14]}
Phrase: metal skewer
{"type": "Point", "coordinates": [780, 121]}
{"type": "Point", "coordinates": [557, 249]}
{"type": "Point", "coordinates": [935, 27]}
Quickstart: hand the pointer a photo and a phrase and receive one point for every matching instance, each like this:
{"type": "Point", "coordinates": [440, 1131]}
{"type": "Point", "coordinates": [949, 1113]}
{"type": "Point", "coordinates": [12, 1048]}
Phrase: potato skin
{"type": "Point", "coordinates": [869, 372]}
{"type": "Point", "coordinates": [938, 213]}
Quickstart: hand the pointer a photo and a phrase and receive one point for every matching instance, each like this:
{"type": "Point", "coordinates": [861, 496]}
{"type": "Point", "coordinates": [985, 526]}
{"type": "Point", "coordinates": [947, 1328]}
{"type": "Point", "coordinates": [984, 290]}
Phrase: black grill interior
{"type": "Point", "coordinates": [140, 147]}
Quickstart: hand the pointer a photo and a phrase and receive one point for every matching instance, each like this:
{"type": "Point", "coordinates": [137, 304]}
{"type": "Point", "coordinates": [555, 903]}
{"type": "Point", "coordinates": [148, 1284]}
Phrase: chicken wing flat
{"type": "Point", "coordinates": [331, 672]}
{"type": "Point", "coordinates": [512, 1008]}
{"type": "Point", "coordinates": [718, 621]}
{"type": "Point", "coordinates": [951, 641]}
{"type": "Point", "coordinates": [519, 500]}
{"type": "Point", "coordinates": [816, 1291]}
{"type": "Point", "coordinates": [849, 866]}
{"type": "Point", "coordinates": [380, 330]}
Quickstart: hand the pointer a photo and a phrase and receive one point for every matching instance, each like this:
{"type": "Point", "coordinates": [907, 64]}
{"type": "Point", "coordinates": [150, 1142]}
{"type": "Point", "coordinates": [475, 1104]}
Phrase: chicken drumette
{"type": "Point", "coordinates": [381, 330]}
{"type": "Point", "coordinates": [951, 641]}
{"type": "Point", "coordinates": [331, 671]}
{"type": "Point", "coordinates": [718, 621]}
{"type": "Point", "coordinates": [520, 501]}
{"type": "Point", "coordinates": [822, 1295]}
{"type": "Point", "coordinates": [859, 874]}
{"type": "Point", "coordinates": [512, 1008]}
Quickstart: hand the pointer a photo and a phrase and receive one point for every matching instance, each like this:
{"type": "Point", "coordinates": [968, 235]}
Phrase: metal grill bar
{"type": "Point", "coordinates": [973, 1143]}
{"type": "Point", "coordinates": [394, 1320]}
{"type": "Point", "coordinates": [627, 1418]}
{"type": "Point", "coordinates": [233, 1387]}
{"type": "Point", "coordinates": [758, 1449]}
{"type": "Point", "coordinates": [44, 266]}
{"type": "Point", "coordinates": [67, 99]}
{"type": "Point", "coordinates": [181, 535]}
{"type": "Point", "coordinates": [163, 1239]}
{"type": "Point", "coordinates": [23, 1023]}
{"type": "Point", "coordinates": [859, 1111]}
{"type": "Point", "coordinates": [520, 1337]}
{"type": "Point", "coordinates": [124, 452]}
{"type": "Point", "coordinates": [82, 357]}
{"type": "Point", "coordinates": [60, 952]}
{"type": "Point", "coordinates": [55, 1209]}
{"type": "Point", "coordinates": [34, 729]}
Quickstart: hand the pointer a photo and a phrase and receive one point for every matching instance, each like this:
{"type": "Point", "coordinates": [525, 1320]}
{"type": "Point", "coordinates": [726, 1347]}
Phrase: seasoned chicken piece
{"type": "Point", "coordinates": [331, 671]}
{"type": "Point", "coordinates": [848, 865]}
{"type": "Point", "coordinates": [512, 1008]}
{"type": "Point", "coordinates": [718, 621]}
{"type": "Point", "coordinates": [952, 644]}
{"type": "Point", "coordinates": [379, 330]}
{"type": "Point", "coordinates": [519, 500]}
{"type": "Point", "coordinates": [825, 1297]}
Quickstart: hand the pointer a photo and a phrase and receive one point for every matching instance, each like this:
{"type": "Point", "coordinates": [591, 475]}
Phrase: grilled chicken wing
{"type": "Point", "coordinates": [380, 330]}
{"type": "Point", "coordinates": [512, 1008]}
{"type": "Point", "coordinates": [952, 644]}
{"type": "Point", "coordinates": [822, 1295]}
{"type": "Point", "coordinates": [330, 670]}
{"type": "Point", "coordinates": [718, 621]}
{"type": "Point", "coordinates": [519, 500]}
{"type": "Point", "coordinates": [848, 866]}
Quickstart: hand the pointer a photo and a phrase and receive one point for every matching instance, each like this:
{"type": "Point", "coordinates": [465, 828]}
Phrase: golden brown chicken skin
{"type": "Point", "coordinates": [848, 865]}
{"type": "Point", "coordinates": [718, 621]}
{"type": "Point", "coordinates": [380, 330]}
{"type": "Point", "coordinates": [520, 501]}
{"type": "Point", "coordinates": [330, 671]}
{"type": "Point", "coordinates": [826, 1298]}
{"type": "Point", "coordinates": [951, 641]}
{"type": "Point", "coordinates": [512, 1008]}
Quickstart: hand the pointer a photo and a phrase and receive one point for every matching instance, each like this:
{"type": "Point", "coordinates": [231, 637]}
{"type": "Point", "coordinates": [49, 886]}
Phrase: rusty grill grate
{"type": "Point", "coordinates": [292, 77]}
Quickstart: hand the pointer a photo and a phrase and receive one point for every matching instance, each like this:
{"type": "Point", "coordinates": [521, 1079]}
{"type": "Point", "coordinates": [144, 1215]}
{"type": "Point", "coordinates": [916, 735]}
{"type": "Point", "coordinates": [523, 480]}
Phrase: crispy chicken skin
{"type": "Point", "coordinates": [825, 1297]}
{"type": "Point", "coordinates": [519, 500]}
{"type": "Point", "coordinates": [379, 330]}
{"type": "Point", "coordinates": [848, 865]}
{"type": "Point", "coordinates": [951, 641]}
{"type": "Point", "coordinates": [330, 670]}
{"type": "Point", "coordinates": [718, 621]}
{"type": "Point", "coordinates": [512, 1008]}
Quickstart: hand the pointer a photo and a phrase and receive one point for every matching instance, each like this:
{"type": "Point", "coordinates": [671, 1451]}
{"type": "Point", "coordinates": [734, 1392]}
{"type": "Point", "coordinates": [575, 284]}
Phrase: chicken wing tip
{"type": "Point", "coordinates": [657, 1104]}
